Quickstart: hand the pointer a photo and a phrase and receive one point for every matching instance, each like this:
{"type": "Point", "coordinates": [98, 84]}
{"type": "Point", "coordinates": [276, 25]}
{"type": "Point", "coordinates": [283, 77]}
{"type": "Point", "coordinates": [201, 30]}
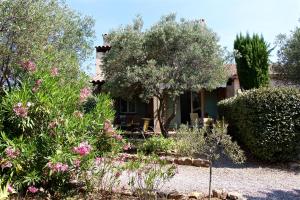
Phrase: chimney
{"type": "Point", "coordinates": [105, 39]}
{"type": "Point", "coordinates": [202, 22]}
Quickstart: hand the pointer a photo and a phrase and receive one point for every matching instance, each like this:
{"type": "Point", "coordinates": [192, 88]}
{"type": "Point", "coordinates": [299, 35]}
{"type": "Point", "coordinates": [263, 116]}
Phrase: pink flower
{"type": "Point", "coordinates": [78, 114]}
{"type": "Point", "coordinates": [118, 174]}
{"type": "Point", "coordinates": [58, 167]}
{"type": "Point", "coordinates": [98, 160]}
{"type": "Point", "coordinates": [37, 85]}
{"type": "Point", "coordinates": [83, 149]}
{"type": "Point", "coordinates": [32, 189]}
{"type": "Point", "coordinates": [84, 94]}
{"type": "Point", "coordinates": [76, 163]}
{"type": "Point", "coordinates": [117, 136]}
{"type": "Point", "coordinates": [6, 164]}
{"type": "Point", "coordinates": [107, 127]}
{"type": "Point", "coordinates": [53, 124]}
{"type": "Point", "coordinates": [20, 110]}
{"type": "Point", "coordinates": [28, 66]}
{"type": "Point", "coordinates": [11, 152]}
{"type": "Point", "coordinates": [54, 71]}
{"type": "Point", "coordinates": [126, 147]}
{"type": "Point", "coordinates": [10, 189]}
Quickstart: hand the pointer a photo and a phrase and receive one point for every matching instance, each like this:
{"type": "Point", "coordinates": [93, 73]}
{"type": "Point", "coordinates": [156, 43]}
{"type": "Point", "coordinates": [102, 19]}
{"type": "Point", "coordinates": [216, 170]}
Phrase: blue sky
{"type": "Point", "coordinates": [225, 17]}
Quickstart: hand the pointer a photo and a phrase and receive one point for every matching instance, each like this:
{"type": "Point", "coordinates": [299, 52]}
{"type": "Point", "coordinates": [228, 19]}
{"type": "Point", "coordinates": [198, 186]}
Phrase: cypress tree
{"type": "Point", "coordinates": [252, 60]}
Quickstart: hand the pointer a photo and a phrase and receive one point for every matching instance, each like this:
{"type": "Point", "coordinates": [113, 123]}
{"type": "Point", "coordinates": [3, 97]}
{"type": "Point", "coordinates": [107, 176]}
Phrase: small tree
{"type": "Point", "coordinates": [252, 61]}
{"type": "Point", "coordinates": [217, 142]}
{"type": "Point", "coordinates": [164, 61]}
{"type": "Point", "coordinates": [209, 141]}
{"type": "Point", "coordinates": [288, 66]}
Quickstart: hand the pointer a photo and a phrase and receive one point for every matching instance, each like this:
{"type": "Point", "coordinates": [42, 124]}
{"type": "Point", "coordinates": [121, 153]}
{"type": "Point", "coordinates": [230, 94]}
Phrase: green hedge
{"type": "Point", "coordinates": [266, 121]}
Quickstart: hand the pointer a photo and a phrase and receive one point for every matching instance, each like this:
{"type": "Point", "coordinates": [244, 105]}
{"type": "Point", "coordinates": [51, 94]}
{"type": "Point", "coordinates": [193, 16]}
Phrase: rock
{"type": "Point", "coordinates": [175, 195]}
{"type": "Point", "coordinates": [235, 196]}
{"type": "Point", "coordinates": [294, 166]}
{"type": "Point", "coordinates": [187, 161]}
{"type": "Point", "coordinates": [198, 162]}
{"type": "Point", "coordinates": [169, 160]}
{"type": "Point", "coordinates": [196, 195]}
{"type": "Point", "coordinates": [126, 192]}
{"type": "Point", "coordinates": [216, 193]}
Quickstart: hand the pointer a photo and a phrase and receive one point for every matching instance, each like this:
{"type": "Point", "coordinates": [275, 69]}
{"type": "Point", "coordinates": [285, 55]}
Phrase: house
{"type": "Point", "coordinates": [204, 102]}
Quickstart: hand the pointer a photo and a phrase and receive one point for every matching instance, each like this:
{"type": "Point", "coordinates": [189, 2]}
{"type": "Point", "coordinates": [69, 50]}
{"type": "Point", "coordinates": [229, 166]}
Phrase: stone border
{"type": "Point", "coordinates": [177, 160]}
{"type": "Point", "coordinates": [175, 195]}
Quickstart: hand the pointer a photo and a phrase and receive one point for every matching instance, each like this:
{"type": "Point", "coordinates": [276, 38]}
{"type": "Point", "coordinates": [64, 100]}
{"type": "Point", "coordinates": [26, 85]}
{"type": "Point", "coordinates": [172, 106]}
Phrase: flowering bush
{"type": "Point", "coordinates": [47, 138]}
{"type": "Point", "coordinates": [147, 175]}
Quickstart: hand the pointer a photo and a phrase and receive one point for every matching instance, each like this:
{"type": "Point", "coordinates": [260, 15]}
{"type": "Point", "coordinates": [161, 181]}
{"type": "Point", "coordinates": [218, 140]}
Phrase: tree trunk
{"type": "Point", "coordinates": [163, 119]}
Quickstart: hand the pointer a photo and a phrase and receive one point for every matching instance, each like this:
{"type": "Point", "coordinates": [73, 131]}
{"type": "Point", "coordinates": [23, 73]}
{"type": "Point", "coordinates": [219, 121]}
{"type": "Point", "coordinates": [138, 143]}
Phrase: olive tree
{"type": "Point", "coordinates": [46, 32]}
{"type": "Point", "coordinates": [288, 65]}
{"type": "Point", "coordinates": [163, 61]}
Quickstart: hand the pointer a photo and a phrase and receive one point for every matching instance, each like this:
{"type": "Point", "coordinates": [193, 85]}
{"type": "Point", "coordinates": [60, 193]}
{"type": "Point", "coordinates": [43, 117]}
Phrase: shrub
{"type": "Point", "coordinates": [266, 121]}
{"type": "Point", "coordinates": [47, 139]}
{"type": "Point", "coordinates": [147, 175]}
{"type": "Point", "coordinates": [157, 144]}
{"type": "Point", "coordinates": [189, 141]}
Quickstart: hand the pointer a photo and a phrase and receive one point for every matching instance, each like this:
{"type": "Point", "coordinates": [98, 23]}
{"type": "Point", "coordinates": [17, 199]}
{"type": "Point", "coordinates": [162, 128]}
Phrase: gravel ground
{"type": "Point", "coordinates": [251, 180]}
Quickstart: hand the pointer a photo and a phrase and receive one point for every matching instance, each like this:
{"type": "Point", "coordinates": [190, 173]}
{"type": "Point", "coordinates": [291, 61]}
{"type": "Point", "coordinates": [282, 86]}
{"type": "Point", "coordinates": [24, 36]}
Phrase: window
{"type": "Point", "coordinates": [127, 106]}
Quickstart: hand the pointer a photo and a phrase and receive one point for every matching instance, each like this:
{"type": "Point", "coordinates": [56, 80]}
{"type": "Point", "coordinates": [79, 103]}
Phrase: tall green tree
{"type": "Point", "coordinates": [163, 61]}
{"type": "Point", "coordinates": [288, 66]}
{"type": "Point", "coordinates": [46, 32]}
{"type": "Point", "coordinates": [252, 60]}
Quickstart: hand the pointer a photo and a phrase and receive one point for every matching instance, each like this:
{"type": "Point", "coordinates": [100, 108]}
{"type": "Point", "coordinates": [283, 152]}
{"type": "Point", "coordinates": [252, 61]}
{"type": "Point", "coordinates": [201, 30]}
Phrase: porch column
{"type": "Point", "coordinates": [155, 115]}
{"type": "Point", "coordinates": [202, 92]}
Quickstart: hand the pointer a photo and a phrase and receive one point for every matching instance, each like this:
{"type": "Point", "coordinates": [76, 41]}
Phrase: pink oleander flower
{"type": "Point", "coordinates": [117, 136]}
{"type": "Point", "coordinates": [78, 114]}
{"type": "Point", "coordinates": [53, 124]}
{"type": "Point", "coordinates": [58, 167]}
{"type": "Point", "coordinates": [6, 164]}
{"type": "Point", "coordinates": [37, 85]}
{"type": "Point", "coordinates": [20, 110]}
{"type": "Point", "coordinates": [118, 174]}
{"type": "Point", "coordinates": [10, 189]}
{"type": "Point", "coordinates": [32, 189]}
{"type": "Point", "coordinates": [11, 152]}
{"type": "Point", "coordinates": [76, 163]}
{"type": "Point", "coordinates": [84, 94]}
{"type": "Point", "coordinates": [54, 71]}
{"type": "Point", "coordinates": [28, 66]}
{"type": "Point", "coordinates": [126, 147]}
{"type": "Point", "coordinates": [83, 149]}
{"type": "Point", "coordinates": [107, 127]}
{"type": "Point", "coordinates": [98, 160]}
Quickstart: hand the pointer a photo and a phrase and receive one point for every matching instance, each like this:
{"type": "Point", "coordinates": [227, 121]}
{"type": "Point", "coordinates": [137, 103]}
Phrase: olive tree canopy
{"type": "Point", "coordinates": [163, 61]}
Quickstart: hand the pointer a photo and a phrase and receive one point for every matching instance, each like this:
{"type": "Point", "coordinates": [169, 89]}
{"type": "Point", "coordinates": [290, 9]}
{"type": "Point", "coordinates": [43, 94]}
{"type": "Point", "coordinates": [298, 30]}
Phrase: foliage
{"type": "Point", "coordinates": [163, 62]}
{"type": "Point", "coordinates": [252, 61]}
{"type": "Point", "coordinates": [288, 66]}
{"type": "Point", "coordinates": [189, 141]}
{"type": "Point", "coordinates": [46, 32]}
{"type": "Point", "coordinates": [147, 175]}
{"type": "Point", "coordinates": [266, 121]}
{"type": "Point", "coordinates": [47, 139]}
{"type": "Point", "coordinates": [157, 144]}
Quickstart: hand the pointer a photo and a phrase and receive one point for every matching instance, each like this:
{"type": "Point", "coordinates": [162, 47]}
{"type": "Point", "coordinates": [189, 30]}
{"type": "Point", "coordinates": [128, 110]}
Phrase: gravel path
{"type": "Point", "coordinates": [251, 180]}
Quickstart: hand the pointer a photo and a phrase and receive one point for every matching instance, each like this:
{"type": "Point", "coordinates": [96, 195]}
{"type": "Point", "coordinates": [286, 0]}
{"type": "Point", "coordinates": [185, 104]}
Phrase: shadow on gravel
{"type": "Point", "coordinates": [277, 195]}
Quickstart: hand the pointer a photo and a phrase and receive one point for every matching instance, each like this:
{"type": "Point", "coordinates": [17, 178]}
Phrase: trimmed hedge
{"type": "Point", "coordinates": [266, 121]}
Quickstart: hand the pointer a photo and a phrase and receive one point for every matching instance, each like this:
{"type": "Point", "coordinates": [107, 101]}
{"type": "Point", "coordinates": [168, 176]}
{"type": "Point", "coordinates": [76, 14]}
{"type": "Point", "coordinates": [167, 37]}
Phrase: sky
{"type": "Point", "coordinates": [225, 17]}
